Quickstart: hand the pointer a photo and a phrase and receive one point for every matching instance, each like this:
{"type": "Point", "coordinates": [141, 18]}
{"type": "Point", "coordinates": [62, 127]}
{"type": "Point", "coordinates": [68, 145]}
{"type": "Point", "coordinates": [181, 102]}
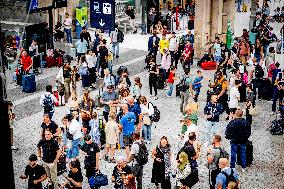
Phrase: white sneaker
{"type": "Point", "coordinates": [271, 113]}
{"type": "Point", "coordinates": [66, 44]}
{"type": "Point", "coordinates": [244, 170]}
{"type": "Point", "coordinates": [70, 44]}
{"type": "Point", "coordinates": [14, 147]}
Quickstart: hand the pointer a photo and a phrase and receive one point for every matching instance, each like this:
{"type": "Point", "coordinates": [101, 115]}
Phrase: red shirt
{"type": "Point", "coordinates": [26, 61]}
{"type": "Point", "coordinates": [171, 77]}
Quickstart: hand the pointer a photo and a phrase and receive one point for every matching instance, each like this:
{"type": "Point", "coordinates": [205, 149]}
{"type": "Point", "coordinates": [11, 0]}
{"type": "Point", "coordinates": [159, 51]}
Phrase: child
{"type": "Point", "coordinates": [197, 85]}
{"type": "Point", "coordinates": [112, 132]}
{"type": "Point", "coordinates": [171, 81]}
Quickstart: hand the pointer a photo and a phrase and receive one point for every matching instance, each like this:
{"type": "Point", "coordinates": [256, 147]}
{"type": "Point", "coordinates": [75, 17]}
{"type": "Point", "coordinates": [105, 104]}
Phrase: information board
{"type": "Point", "coordinates": [102, 14]}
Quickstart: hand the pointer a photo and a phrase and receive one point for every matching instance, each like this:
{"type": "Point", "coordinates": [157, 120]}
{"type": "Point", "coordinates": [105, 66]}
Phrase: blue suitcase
{"type": "Point", "coordinates": [29, 83]}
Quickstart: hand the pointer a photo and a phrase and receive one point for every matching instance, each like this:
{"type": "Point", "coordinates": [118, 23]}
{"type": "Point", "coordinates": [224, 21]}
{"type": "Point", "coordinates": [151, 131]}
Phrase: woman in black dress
{"type": "Point", "coordinates": [153, 76]}
{"type": "Point", "coordinates": [162, 164]}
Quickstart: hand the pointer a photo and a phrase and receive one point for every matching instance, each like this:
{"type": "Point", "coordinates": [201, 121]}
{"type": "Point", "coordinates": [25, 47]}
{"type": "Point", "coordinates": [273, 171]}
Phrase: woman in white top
{"type": "Point", "coordinates": [112, 132]}
{"type": "Point", "coordinates": [147, 110]}
{"type": "Point", "coordinates": [136, 88]}
{"type": "Point", "coordinates": [91, 60]}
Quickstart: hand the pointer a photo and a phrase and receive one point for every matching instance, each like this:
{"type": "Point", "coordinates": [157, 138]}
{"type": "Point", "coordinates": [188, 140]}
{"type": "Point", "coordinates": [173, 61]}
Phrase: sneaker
{"type": "Point", "coordinates": [117, 56]}
{"type": "Point", "coordinates": [156, 98]}
{"type": "Point", "coordinates": [168, 96]}
{"type": "Point", "coordinates": [70, 44]}
{"type": "Point", "coordinates": [272, 113]}
{"type": "Point", "coordinates": [14, 147]}
{"type": "Point", "coordinates": [244, 170]}
{"type": "Point", "coordinates": [66, 44]}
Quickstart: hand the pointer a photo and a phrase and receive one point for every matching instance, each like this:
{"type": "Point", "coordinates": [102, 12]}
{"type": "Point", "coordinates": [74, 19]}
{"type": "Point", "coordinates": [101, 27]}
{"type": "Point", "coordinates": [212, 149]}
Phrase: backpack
{"type": "Point", "coordinates": [120, 36]}
{"type": "Point", "coordinates": [230, 177]}
{"type": "Point", "coordinates": [259, 73]}
{"type": "Point", "coordinates": [276, 128]}
{"type": "Point", "coordinates": [142, 157]}
{"type": "Point", "coordinates": [69, 136]}
{"type": "Point", "coordinates": [48, 104]}
{"type": "Point", "coordinates": [156, 115]}
{"type": "Point", "coordinates": [223, 154]}
{"type": "Point", "coordinates": [183, 86]}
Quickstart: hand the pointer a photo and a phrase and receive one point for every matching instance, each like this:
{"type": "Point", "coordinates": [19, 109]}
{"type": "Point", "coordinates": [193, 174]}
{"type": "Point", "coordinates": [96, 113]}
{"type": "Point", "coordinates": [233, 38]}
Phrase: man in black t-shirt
{"type": "Point", "coordinates": [50, 125]}
{"type": "Point", "coordinates": [35, 173]}
{"type": "Point", "coordinates": [49, 151]}
{"type": "Point", "coordinates": [92, 156]}
{"type": "Point", "coordinates": [120, 171]}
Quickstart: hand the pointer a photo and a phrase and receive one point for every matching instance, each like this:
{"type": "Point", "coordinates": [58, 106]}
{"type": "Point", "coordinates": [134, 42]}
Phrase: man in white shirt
{"type": "Point", "coordinates": [234, 98]}
{"type": "Point", "coordinates": [74, 129]}
{"type": "Point", "coordinates": [67, 27]}
{"type": "Point", "coordinates": [114, 41]}
{"type": "Point", "coordinates": [173, 47]}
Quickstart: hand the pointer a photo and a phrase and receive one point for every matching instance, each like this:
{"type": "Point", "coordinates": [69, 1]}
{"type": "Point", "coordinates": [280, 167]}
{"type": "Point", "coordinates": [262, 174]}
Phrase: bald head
{"type": "Point", "coordinates": [223, 162]}
{"type": "Point", "coordinates": [130, 101]}
{"type": "Point", "coordinates": [124, 107]}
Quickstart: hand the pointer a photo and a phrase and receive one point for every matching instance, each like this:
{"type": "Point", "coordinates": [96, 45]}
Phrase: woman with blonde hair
{"type": "Point", "coordinates": [112, 132]}
{"type": "Point", "coordinates": [183, 170]}
{"type": "Point", "coordinates": [73, 102]}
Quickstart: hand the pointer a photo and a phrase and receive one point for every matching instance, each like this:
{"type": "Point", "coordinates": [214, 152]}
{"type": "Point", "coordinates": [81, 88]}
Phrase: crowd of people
{"type": "Point", "coordinates": [116, 126]}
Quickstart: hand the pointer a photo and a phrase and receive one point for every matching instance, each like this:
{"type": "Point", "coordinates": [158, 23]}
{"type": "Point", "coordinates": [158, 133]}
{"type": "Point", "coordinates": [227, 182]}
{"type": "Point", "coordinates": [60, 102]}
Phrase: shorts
{"type": "Point", "coordinates": [127, 140]}
{"type": "Point", "coordinates": [111, 146]}
{"type": "Point", "coordinates": [233, 110]}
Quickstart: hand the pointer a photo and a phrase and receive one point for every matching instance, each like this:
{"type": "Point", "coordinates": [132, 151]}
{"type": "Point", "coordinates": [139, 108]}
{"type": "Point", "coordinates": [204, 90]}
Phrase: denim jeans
{"type": "Point", "coordinates": [146, 129]}
{"type": "Point", "coordinates": [217, 58]}
{"type": "Point", "coordinates": [184, 100]}
{"type": "Point", "coordinates": [234, 148]}
{"type": "Point", "coordinates": [115, 48]}
{"type": "Point", "coordinates": [68, 35]}
{"type": "Point", "coordinates": [74, 150]}
{"type": "Point", "coordinates": [212, 129]}
{"type": "Point", "coordinates": [276, 96]}
{"type": "Point", "coordinates": [170, 91]}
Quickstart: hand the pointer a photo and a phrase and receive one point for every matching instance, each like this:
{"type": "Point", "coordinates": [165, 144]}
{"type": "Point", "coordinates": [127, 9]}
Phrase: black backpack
{"type": "Point", "coordinates": [48, 104]}
{"type": "Point", "coordinates": [230, 177]}
{"type": "Point", "coordinates": [182, 85]}
{"type": "Point", "coordinates": [259, 73]}
{"type": "Point", "coordinates": [120, 36]}
{"type": "Point", "coordinates": [276, 127]}
{"type": "Point", "coordinates": [156, 115]}
{"type": "Point", "coordinates": [142, 157]}
{"type": "Point", "coordinates": [223, 154]}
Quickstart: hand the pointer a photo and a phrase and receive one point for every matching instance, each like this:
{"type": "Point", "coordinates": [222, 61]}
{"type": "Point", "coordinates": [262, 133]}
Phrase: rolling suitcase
{"type": "Point", "coordinates": [249, 153]}
{"type": "Point", "coordinates": [208, 65]}
{"type": "Point", "coordinates": [29, 83]}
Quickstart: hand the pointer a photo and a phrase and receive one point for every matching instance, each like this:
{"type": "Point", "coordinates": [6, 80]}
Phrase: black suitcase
{"type": "Point", "coordinates": [267, 89]}
{"type": "Point", "coordinates": [160, 82]}
{"type": "Point", "coordinates": [249, 153]}
{"type": "Point", "coordinates": [177, 90]}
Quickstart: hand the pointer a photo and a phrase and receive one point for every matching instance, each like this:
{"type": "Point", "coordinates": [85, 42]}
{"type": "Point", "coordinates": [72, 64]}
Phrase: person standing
{"type": "Point", "coordinates": [238, 131]}
{"type": "Point", "coordinates": [103, 57]}
{"type": "Point", "coordinates": [86, 35]}
{"type": "Point", "coordinates": [48, 101]}
{"type": "Point", "coordinates": [67, 27]}
{"type": "Point", "coordinates": [49, 152]}
{"type": "Point", "coordinates": [153, 77]}
{"type": "Point", "coordinates": [212, 112]}
{"type": "Point", "coordinates": [81, 46]}
{"type": "Point", "coordinates": [163, 43]}
{"type": "Point", "coordinates": [137, 167]}
{"type": "Point", "coordinates": [162, 164]}
{"type": "Point", "coordinates": [131, 15]}
{"type": "Point", "coordinates": [35, 173]}
{"type": "Point", "coordinates": [186, 89]}
{"type": "Point", "coordinates": [67, 81]}
{"type": "Point", "coordinates": [153, 44]}
{"type": "Point", "coordinates": [74, 177]}
{"type": "Point", "coordinates": [109, 97]}
{"type": "Point", "coordinates": [91, 152]}
{"type": "Point", "coordinates": [217, 48]}
{"type": "Point", "coordinates": [234, 98]}
{"type": "Point", "coordinates": [146, 111]}
{"type": "Point", "coordinates": [26, 63]}
{"type": "Point", "coordinates": [173, 48]}
{"type": "Point", "coordinates": [171, 81]}
{"type": "Point", "coordinates": [114, 35]}
{"type": "Point", "coordinates": [214, 153]}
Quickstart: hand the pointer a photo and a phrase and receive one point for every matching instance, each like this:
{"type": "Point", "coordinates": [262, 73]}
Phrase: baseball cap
{"type": "Point", "coordinates": [33, 157]}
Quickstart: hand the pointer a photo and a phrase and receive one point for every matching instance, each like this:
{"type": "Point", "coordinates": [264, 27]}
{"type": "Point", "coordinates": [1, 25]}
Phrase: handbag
{"type": "Point", "coordinates": [191, 179]}
{"type": "Point", "coordinates": [146, 120]}
{"type": "Point", "coordinates": [98, 180]}
{"type": "Point", "coordinates": [253, 111]}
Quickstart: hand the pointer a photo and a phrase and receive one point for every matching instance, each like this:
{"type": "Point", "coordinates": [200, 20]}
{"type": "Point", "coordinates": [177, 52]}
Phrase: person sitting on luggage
{"type": "Point", "coordinates": [208, 56]}
{"type": "Point", "coordinates": [26, 62]}
{"type": "Point", "coordinates": [238, 131]}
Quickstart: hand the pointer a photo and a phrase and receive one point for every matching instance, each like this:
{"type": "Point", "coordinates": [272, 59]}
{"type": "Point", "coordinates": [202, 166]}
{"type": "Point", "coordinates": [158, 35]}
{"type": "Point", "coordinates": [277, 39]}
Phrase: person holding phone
{"type": "Point", "coordinates": [74, 177]}
{"type": "Point", "coordinates": [35, 173]}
